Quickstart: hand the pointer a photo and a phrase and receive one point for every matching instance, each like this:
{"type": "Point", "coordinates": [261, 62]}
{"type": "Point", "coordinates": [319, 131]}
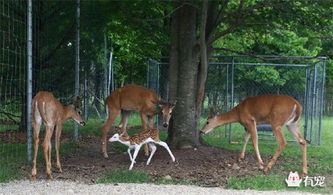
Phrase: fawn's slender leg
{"type": "Point", "coordinates": [137, 148]}
{"type": "Point", "coordinates": [281, 141]}
{"type": "Point", "coordinates": [57, 145]}
{"type": "Point", "coordinates": [294, 130]}
{"type": "Point", "coordinates": [112, 115]}
{"type": "Point", "coordinates": [246, 140]}
{"type": "Point", "coordinates": [129, 153]}
{"type": "Point", "coordinates": [165, 145]}
{"type": "Point", "coordinates": [153, 149]}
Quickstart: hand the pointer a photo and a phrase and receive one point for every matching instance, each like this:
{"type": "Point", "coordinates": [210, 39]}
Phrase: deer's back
{"type": "Point", "coordinates": [132, 97]}
{"type": "Point", "coordinates": [145, 134]}
{"type": "Point", "coordinates": [47, 105]}
{"type": "Point", "coordinates": [264, 107]}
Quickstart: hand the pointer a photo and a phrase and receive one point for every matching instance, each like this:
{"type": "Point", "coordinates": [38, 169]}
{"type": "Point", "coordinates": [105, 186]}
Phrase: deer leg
{"type": "Point", "coordinates": [281, 145]}
{"type": "Point", "coordinates": [46, 148]}
{"type": "Point", "coordinates": [151, 125]}
{"type": "Point", "coordinates": [144, 121]}
{"type": "Point", "coordinates": [151, 121]}
{"type": "Point", "coordinates": [36, 130]}
{"type": "Point", "coordinates": [294, 130]}
{"type": "Point", "coordinates": [57, 145]}
{"type": "Point", "coordinates": [165, 145]}
{"type": "Point", "coordinates": [130, 155]}
{"type": "Point", "coordinates": [123, 123]}
{"type": "Point", "coordinates": [252, 130]}
{"type": "Point", "coordinates": [105, 129]}
{"type": "Point", "coordinates": [153, 150]}
{"type": "Point", "coordinates": [246, 140]}
{"type": "Point", "coordinates": [137, 148]}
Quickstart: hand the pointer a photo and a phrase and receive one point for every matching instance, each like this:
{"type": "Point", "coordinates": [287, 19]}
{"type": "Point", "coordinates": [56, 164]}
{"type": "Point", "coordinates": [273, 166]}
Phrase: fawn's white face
{"type": "Point", "coordinates": [114, 138]}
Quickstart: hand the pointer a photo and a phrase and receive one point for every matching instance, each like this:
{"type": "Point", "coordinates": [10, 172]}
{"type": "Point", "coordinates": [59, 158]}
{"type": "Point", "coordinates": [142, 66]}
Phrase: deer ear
{"type": "Point", "coordinates": [77, 102]}
{"type": "Point", "coordinates": [212, 111]}
{"type": "Point", "coordinates": [162, 103]}
{"type": "Point", "coordinates": [173, 104]}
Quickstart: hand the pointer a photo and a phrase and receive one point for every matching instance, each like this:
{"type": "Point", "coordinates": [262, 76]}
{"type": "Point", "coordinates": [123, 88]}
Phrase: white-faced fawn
{"type": "Point", "coordinates": [147, 136]}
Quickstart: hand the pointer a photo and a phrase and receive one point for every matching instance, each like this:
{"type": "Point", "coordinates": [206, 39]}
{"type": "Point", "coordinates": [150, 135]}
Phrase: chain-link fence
{"type": "Point", "coordinates": [12, 86]}
{"type": "Point", "coordinates": [54, 56]}
{"type": "Point", "coordinates": [233, 78]}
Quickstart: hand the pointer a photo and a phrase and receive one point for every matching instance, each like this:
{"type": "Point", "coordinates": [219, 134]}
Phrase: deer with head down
{"type": "Point", "coordinates": [134, 98]}
{"type": "Point", "coordinates": [278, 110]}
{"type": "Point", "coordinates": [47, 110]}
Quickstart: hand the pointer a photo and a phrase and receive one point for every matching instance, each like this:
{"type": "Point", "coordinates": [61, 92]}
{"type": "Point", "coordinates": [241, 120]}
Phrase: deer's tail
{"type": "Point", "coordinates": [298, 112]}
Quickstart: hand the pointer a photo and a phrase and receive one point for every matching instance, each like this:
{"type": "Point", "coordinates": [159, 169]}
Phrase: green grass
{"type": "Point", "coordinates": [320, 160]}
{"type": "Point", "coordinates": [124, 176]}
{"type": "Point", "coordinates": [14, 156]}
{"type": "Point", "coordinates": [127, 176]}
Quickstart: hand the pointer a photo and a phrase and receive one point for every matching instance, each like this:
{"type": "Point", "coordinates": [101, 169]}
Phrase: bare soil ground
{"type": "Point", "coordinates": [205, 165]}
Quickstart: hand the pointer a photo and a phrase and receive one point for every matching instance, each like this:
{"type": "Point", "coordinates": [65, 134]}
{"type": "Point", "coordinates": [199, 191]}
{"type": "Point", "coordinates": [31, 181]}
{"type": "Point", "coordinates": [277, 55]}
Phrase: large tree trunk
{"type": "Point", "coordinates": [183, 131]}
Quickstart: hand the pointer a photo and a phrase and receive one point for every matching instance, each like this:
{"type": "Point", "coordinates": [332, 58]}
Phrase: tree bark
{"type": "Point", "coordinates": [183, 77]}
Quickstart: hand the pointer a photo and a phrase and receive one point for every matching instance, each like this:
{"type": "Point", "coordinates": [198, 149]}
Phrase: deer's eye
{"type": "Point", "coordinates": [79, 112]}
{"type": "Point", "coordinates": [207, 123]}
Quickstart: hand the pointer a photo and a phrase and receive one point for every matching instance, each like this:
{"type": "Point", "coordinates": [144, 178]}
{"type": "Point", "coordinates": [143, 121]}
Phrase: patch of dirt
{"type": "Point", "coordinates": [14, 136]}
{"type": "Point", "coordinates": [208, 166]}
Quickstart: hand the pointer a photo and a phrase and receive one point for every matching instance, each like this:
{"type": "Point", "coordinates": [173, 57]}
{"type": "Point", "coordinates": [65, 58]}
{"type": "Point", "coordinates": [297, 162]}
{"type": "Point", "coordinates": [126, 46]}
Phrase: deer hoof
{"type": "Point", "coordinates": [266, 170]}
{"type": "Point", "coordinates": [105, 155]}
{"type": "Point", "coordinates": [49, 176]}
{"type": "Point", "coordinates": [304, 175]}
{"type": "Point", "coordinates": [33, 178]}
{"type": "Point", "coordinates": [261, 167]}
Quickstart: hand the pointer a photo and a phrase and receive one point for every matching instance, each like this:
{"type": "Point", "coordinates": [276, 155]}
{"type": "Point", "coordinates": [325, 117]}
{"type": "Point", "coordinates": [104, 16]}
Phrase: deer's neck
{"type": "Point", "coordinates": [65, 113]}
{"type": "Point", "coordinates": [125, 140]}
{"type": "Point", "coordinates": [229, 117]}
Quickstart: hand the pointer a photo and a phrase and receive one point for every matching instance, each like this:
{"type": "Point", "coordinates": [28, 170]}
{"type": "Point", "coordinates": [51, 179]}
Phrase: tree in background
{"type": "Point", "coordinates": [198, 25]}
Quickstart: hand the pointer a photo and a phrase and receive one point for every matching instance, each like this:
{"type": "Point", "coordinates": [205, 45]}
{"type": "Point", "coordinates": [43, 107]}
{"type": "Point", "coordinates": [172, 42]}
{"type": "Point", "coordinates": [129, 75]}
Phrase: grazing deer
{"type": "Point", "coordinates": [150, 136]}
{"type": "Point", "coordinates": [48, 110]}
{"type": "Point", "coordinates": [278, 110]}
{"type": "Point", "coordinates": [133, 98]}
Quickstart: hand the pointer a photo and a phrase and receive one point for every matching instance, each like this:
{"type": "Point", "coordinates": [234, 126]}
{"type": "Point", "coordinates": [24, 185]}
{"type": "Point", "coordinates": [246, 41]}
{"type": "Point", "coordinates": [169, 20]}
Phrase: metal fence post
{"type": "Point", "coordinates": [110, 80]}
{"type": "Point", "coordinates": [322, 99]}
{"type": "Point", "coordinates": [77, 63]}
{"type": "Point", "coordinates": [29, 80]}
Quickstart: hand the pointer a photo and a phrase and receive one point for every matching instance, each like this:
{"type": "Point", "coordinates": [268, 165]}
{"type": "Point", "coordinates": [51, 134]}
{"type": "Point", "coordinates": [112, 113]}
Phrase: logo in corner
{"type": "Point", "coordinates": [293, 180]}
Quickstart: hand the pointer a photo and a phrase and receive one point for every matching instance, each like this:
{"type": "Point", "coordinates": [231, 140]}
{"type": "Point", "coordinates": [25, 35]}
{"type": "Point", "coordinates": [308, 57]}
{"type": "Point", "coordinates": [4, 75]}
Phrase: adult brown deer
{"type": "Point", "coordinates": [48, 110]}
{"type": "Point", "coordinates": [278, 110]}
{"type": "Point", "coordinates": [133, 98]}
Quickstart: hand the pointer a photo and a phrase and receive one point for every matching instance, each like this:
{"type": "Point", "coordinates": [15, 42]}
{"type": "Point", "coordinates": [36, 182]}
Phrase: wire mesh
{"type": "Point", "coordinates": [12, 87]}
{"type": "Point", "coordinates": [233, 78]}
{"type": "Point", "coordinates": [53, 63]}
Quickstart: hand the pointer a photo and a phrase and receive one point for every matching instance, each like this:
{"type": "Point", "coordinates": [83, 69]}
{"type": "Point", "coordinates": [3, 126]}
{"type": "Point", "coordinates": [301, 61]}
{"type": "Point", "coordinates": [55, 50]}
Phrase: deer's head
{"type": "Point", "coordinates": [211, 123]}
{"type": "Point", "coordinates": [75, 112]}
{"type": "Point", "coordinates": [166, 110]}
{"type": "Point", "coordinates": [114, 138]}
